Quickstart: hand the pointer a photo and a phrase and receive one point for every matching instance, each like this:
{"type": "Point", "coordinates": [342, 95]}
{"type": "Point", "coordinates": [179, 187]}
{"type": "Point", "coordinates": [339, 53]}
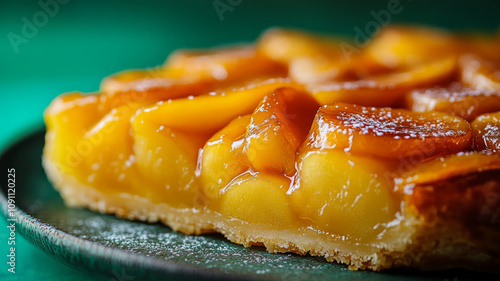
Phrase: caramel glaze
{"type": "Point", "coordinates": [472, 199]}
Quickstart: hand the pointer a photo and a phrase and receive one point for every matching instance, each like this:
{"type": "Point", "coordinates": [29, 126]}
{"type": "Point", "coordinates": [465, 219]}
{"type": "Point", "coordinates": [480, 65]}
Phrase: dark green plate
{"type": "Point", "coordinates": [125, 250]}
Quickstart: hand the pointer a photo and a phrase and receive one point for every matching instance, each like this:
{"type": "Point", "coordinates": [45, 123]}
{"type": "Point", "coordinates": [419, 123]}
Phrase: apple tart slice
{"type": "Point", "coordinates": [386, 159]}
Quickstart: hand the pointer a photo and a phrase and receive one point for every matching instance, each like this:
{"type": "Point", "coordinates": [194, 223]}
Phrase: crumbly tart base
{"type": "Point", "coordinates": [415, 243]}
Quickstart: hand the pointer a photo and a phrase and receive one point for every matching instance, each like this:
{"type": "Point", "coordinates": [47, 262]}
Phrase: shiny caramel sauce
{"type": "Point", "coordinates": [292, 133]}
{"type": "Point", "coordinates": [486, 130]}
{"type": "Point", "coordinates": [456, 99]}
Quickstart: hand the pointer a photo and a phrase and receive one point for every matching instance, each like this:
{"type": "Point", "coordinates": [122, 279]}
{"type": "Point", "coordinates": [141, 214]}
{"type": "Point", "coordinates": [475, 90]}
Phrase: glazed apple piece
{"type": "Point", "coordinates": [387, 89]}
{"type": "Point", "coordinates": [93, 145]}
{"type": "Point", "coordinates": [456, 99]}
{"type": "Point", "coordinates": [149, 96]}
{"type": "Point", "coordinates": [284, 45]}
{"type": "Point", "coordinates": [210, 113]}
{"type": "Point", "coordinates": [310, 58]}
{"type": "Point", "coordinates": [446, 167]}
{"type": "Point", "coordinates": [67, 119]}
{"type": "Point", "coordinates": [402, 47]}
{"type": "Point", "coordinates": [155, 84]}
{"type": "Point", "coordinates": [225, 64]}
{"type": "Point", "coordinates": [166, 159]}
{"type": "Point", "coordinates": [316, 70]}
{"type": "Point", "coordinates": [461, 187]}
{"type": "Point", "coordinates": [277, 128]}
{"type": "Point", "coordinates": [486, 131]}
{"type": "Point", "coordinates": [110, 158]}
{"type": "Point", "coordinates": [222, 158]}
{"type": "Point", "coordinates": [258, 198]}
{"type": "Point", "coordinates": [479, 74]}
{"type": "Point", "coordinates": [345, 195]}
{"type": "Point", "coordinates": [388, 133]}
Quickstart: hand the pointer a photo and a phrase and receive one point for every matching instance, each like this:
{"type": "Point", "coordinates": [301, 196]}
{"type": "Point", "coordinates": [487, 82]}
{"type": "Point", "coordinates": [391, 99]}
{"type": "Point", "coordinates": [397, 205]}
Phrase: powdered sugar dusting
{"type": "Point", "coordinates": [392, 122]}
{"type": "Point", "coordinates": [205, 251]}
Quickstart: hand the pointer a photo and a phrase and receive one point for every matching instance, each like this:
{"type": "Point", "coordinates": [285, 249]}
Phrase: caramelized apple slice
{"type": "Point", "coordinates": [258, 198]}
{"type": "Point", "coordinates": [306, 70]}
{"type": "Point", "coordinates": [310, 58]}
{"type": "Point", "coordinates": [166, 159]}
{"type": "Point", "coordinates": [479, 74]}
{"type": "Point", "coordinates": [154, 84]}
{"type": "Point", "coordinates": [278, 126]}
{"type": "Point", "coordinates": [486, 131]}
{"type": "Point", "coordinates": [400, 47]}
{"type": "Point", "coordinates": [224, 64]}
{"type": "Point", "coordinates": [223, 158]}
{"type": "Point", "coordinates": [68, 118]}
{"type": "Point", "coordinates": [450, 166]}
{"type": "Point", "coordinates": [456, 99]}
{"type": "Point", "coordinates": [209, 113]}
{"type": "Point", "coordinates": [384, 90]}
{"type": "Point", "coordinates": [286, 45]}
{"type": "Point", "coordinates": [96, 148]}
{"type": "Point", "coordinates": [67, 110]}
{"type": "Point", "coordinates": [387, 132]}
{"type": "Point", "coordinates": [343, 194]}
{"type": "Point", "coordinates": [109, 156]}
{"type": "Point", "coordinates": [462, 187]}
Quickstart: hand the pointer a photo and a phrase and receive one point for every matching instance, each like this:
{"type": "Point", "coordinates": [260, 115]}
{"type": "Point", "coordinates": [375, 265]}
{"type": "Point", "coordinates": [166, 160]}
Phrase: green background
{"type": "Point", "coordinates": [83, 41]}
